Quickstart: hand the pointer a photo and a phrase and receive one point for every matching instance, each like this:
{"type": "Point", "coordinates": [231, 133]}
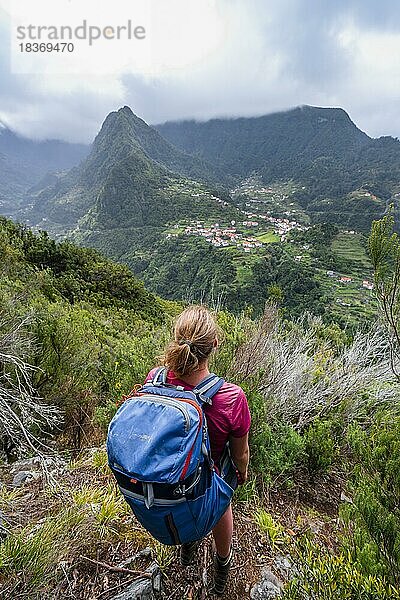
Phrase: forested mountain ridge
{"type": "Point", "coordinates": [320, 149]}
{"type": "Point", "coordinates": [23, 162]}
{"type": "Point", "coordinates": [125, 181]}
{"type": "Point", "coordinates": [242, 145]}
{"type": "Point", "coordinates": [29, 166]}
{"type": "Point", "coordinates": [341, 174]}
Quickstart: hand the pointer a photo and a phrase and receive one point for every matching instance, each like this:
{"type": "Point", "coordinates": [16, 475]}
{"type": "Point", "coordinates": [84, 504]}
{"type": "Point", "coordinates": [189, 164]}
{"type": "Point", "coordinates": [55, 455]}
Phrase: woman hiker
{"type": "Point", "coordinates": [228, 418]}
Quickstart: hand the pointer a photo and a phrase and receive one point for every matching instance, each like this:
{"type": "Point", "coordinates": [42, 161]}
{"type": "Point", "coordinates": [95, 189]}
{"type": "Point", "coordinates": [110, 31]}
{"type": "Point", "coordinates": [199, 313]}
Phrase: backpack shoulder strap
{"type": "Point", "coordinates": [206, 389]}
{"type": "Point", "coordinates": [159, 377]}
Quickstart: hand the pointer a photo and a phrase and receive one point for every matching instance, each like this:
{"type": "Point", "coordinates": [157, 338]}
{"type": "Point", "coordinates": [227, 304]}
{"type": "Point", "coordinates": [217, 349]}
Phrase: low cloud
{"type": "Point", "coordinates": [229, 58]}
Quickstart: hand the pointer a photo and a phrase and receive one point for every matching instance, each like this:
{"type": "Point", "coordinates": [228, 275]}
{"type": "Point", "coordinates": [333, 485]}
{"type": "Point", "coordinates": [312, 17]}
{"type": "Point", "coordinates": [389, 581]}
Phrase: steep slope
{"type": "Point", "coordinates": [320, 148]}
{"type": "Point", "coordinates": [158, 149]}
{"type": "Point", "coordinates": [129, 179]}
{"type": "Point", "coordinates": [91, 332]}
{"type": "Point", "coordinates": [23, 162]}
{"type": "Point", "coordinates": [121, 131]}
{"type": "Point", "coordinates": [245, 144]}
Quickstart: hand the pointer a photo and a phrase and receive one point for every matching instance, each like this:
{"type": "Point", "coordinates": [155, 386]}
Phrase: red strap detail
{"type": "Point", "coordinates": [187, 463]}
{"type": "Point", "coordinates": [132, 393]}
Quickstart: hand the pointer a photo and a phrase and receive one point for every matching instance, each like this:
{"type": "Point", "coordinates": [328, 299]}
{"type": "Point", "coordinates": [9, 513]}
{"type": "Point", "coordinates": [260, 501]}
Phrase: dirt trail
{"type": "Point", "coordinates": [91, 564]}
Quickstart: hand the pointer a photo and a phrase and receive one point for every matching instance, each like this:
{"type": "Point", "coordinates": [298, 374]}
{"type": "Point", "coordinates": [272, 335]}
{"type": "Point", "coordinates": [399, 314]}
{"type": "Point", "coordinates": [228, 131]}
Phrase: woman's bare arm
{"type": "Point", "coordinates": [240, 453]}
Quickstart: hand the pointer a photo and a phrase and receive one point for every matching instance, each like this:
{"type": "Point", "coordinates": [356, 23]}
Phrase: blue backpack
{"type": "Point", "coordinates": [159, 452]}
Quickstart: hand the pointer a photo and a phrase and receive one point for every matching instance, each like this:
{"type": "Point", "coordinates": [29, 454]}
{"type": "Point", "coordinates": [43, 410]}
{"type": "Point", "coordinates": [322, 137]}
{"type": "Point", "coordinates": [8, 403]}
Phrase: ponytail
{"type": "Point", "coordinates": [195, 333]}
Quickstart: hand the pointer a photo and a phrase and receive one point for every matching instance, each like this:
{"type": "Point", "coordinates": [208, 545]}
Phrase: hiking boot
{"type": "Point", "coordinates": [188, 553]}
{"type": "Point", "coordinates": [221, 572]}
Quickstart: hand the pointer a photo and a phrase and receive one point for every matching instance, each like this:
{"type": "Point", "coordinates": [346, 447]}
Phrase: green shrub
{"type": "Point", "coordinates": [373, 518]}
{"type": "Point", "coordinates": [271, 528]}
{"type": "Point", "coordinates": [326, 576]}
{"type": "Point", "coordinates": [320, 447]}
{"type": "Point", "coordinates": [233, 335]}
{"type": "Point", "coordinates": [247, 492]}
{"type": "Point", "coordinates": [103, 414]}
{"type": "Point", "coordinates": [164, 555]}
{"type": "Point", "coordinates": [277, 450]}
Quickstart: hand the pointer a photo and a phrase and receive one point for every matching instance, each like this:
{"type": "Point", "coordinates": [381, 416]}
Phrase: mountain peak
{"type": "Point", "coordinates": [123, 136]}
{"type": "Point", "coordinates": [126, 110]}
{"type": "Point", "coordinates": [120, 123]}
{"type": "Point", "coordinates": [328, 112]}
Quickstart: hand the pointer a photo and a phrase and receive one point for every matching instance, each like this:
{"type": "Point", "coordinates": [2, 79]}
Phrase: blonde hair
{"type": "Point", "coordinates": [195, 333]}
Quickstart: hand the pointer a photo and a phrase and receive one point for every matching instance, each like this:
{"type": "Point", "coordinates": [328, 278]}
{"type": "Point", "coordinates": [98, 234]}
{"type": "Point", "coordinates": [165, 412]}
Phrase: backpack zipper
{"type": "Point", "coordinates": [199, 428]}
{"type": "Point", "coordinates": [170, 402]}
{"type": "Point", "coordinates": [178, 404]}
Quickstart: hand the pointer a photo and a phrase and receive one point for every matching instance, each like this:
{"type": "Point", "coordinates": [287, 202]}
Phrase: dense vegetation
{"type": "Point", "coordinates": [91, 326]}
{"type": "Point", "coordinates": [320, 149]}
{"type": "Point", "coordinates": [325, 407]}
{"type": "Point", "coordinates": [326, 413]}
{"type": "Point", "coordinates": [192, 269]}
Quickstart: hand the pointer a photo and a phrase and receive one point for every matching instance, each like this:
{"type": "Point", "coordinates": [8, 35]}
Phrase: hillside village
{"type": "Point", "coordinates": [237, 234]}
{"type": "Point", "coordinates": [281, 226]}
{"type": "Point", "coordinates": [222, 236]}
{"type": "Point", "coordinates": [269, 201]}
{"type": "Point", "coordinates": [267, 215]}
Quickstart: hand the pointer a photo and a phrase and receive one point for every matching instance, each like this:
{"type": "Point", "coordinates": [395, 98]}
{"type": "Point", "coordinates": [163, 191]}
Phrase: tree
{"type": "Point", "coordinates": [384, 249]}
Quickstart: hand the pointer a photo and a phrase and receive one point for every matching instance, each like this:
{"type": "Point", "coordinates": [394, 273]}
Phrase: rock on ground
{"type": "Point", "coordinates": [143, 589]}
{"type": "Point", "coordinates": [22, 477]}
{"type": "Point", "coordinates": [27, 470]}
{"type": "Point", "coordinates": [267, 588]}
{"type": "Point", "coordinates": [271, 586]}
{"type": "Point", "coordinates": [284, 567]}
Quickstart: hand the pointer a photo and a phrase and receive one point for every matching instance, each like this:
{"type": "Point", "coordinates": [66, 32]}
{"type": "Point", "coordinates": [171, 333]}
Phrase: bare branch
{"type": "Point", "coordinates": [22, 411]}
{"type": "Point", "coordinates": [301, 377]}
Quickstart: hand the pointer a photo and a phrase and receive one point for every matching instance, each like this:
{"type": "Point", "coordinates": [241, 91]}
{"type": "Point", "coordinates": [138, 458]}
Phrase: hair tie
{"type": "Point", "coordinates": [186, 343]}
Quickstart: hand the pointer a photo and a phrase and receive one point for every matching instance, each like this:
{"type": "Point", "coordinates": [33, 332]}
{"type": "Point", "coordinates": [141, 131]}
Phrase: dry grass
{"type": "Point", "coordinates": [84, 516]}
{"type": "Point", "coordinates": [53, 527]}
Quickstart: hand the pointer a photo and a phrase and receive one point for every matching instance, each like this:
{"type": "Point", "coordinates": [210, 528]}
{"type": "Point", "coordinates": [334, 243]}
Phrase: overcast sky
{"type": "Point", "coordinates": [215, 58]}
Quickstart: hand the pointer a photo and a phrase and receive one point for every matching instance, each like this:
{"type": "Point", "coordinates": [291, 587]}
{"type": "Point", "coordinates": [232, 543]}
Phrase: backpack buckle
{"type": "Point", "coordinates": [148, 494]}
{"type": "Point", "coordinates": [180, 490]}
{"type": "Point", "coordinates": [204, 399]}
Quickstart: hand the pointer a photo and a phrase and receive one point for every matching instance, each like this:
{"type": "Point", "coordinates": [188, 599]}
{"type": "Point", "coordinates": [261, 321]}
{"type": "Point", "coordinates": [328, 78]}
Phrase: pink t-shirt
{"type": "Point", "coordinates": [229, 414]}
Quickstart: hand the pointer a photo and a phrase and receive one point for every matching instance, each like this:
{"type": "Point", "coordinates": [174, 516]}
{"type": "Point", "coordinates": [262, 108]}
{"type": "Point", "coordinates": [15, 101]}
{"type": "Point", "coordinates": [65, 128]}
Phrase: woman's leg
{"type": "Point", "coordinates": [222, 533]}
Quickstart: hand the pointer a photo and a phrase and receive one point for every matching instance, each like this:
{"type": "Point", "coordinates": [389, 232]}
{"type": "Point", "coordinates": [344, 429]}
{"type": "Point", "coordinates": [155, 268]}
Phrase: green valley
{"type": "Point", "coordinates": [77, 331]}
{"type": "Point", "coordinates": [239, 232]}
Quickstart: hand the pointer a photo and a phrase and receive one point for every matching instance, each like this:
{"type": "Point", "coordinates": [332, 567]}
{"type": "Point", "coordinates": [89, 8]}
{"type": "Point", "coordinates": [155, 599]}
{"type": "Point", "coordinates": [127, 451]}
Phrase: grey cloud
{"type": "Point", "coordinates": [31, 109]}
{"type": "Point", "coordinates": [288, 55]}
